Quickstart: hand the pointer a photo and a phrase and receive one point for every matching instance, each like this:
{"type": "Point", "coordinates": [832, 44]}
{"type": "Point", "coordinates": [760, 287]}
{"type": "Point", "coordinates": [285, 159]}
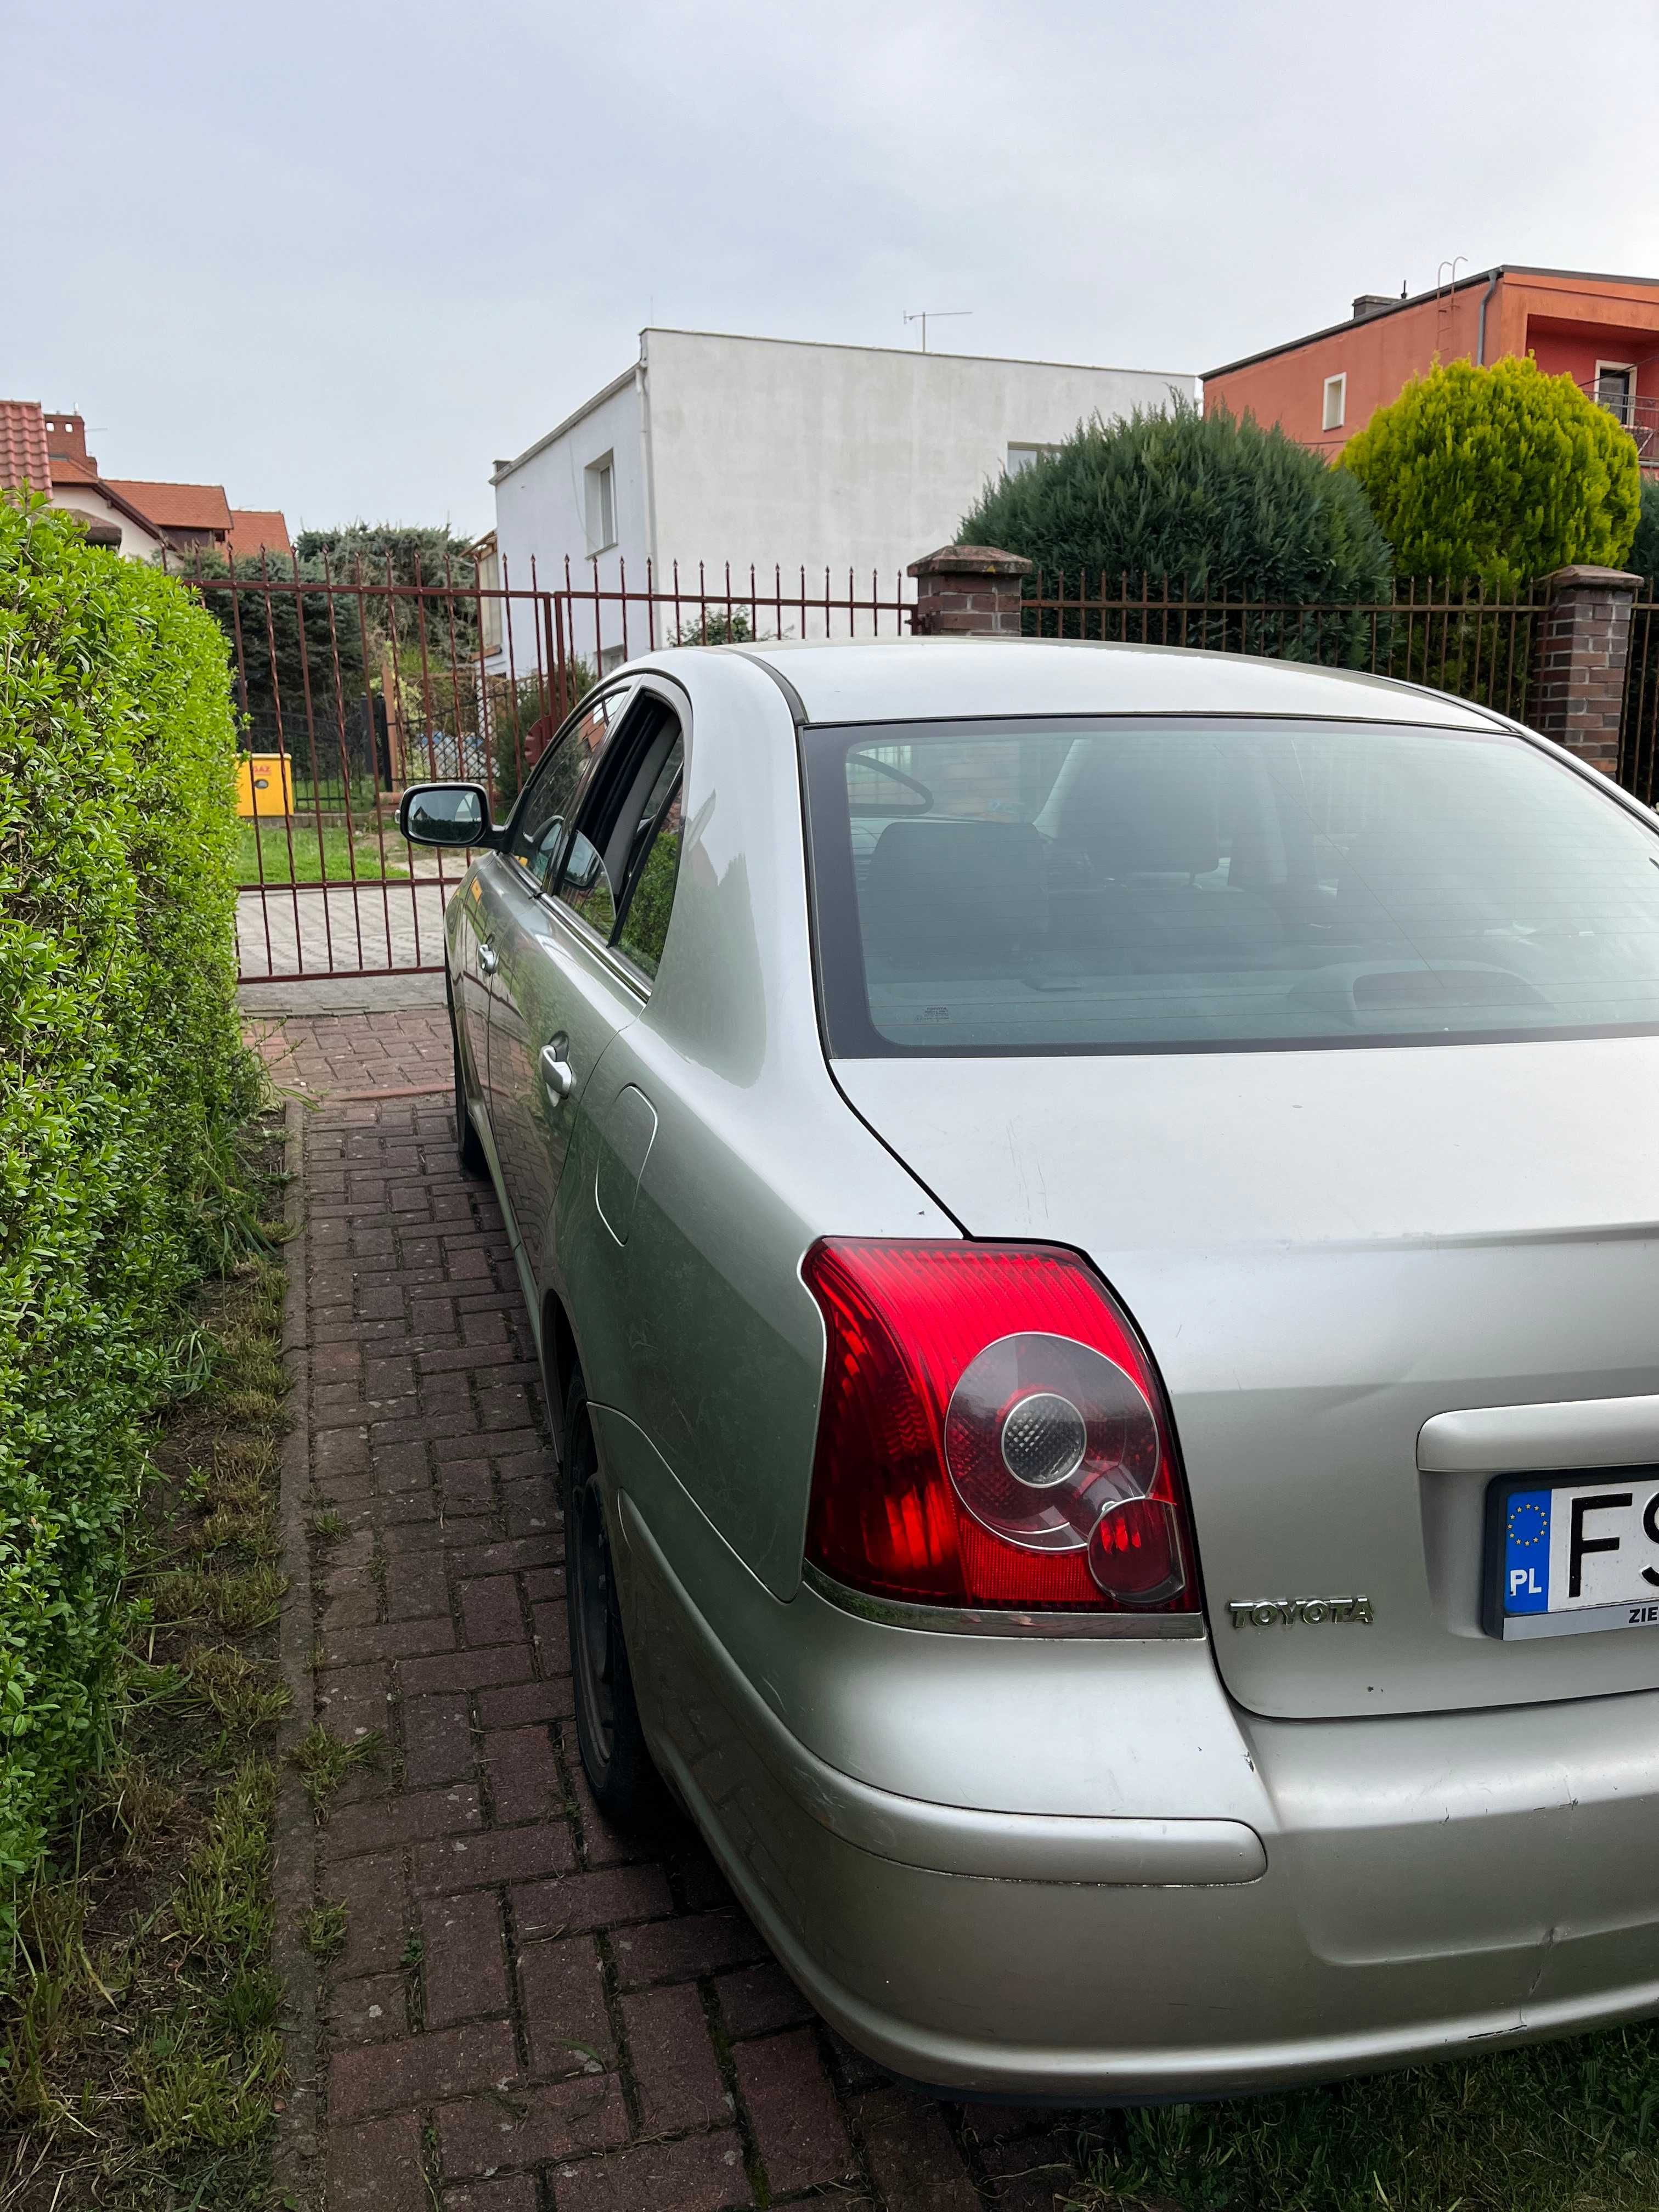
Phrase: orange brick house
{"type": "Point", "coordinates": [1603, 332]}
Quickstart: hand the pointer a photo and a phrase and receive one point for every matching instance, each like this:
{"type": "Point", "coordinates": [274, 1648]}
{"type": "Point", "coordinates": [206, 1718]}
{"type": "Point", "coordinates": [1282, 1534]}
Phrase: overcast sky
{"type": "Point", "coordinates": [338, 255]}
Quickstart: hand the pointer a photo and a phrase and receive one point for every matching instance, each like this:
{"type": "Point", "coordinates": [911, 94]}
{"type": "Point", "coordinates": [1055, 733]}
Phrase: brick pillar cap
{"type": "Point", "coordinates": [971, 561]}
{"type": "Point", "coordinates": [1559, 580]}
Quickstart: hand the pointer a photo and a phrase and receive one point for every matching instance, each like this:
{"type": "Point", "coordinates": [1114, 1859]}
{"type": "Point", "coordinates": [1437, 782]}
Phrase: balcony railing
{"type": "Point", "coordinates": [1639, 416]}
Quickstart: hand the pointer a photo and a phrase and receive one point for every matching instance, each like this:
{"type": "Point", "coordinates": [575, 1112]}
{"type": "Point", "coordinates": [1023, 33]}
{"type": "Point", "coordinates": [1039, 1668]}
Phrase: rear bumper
{"type": "Point", "coordinates": [1079, 1994]}
{"type": "Point", "coordinates": [1403, 1890]}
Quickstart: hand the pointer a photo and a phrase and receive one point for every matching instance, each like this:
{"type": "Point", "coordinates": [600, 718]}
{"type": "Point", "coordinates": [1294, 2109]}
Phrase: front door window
{"type": "Point", "coordinates": [541, 828]}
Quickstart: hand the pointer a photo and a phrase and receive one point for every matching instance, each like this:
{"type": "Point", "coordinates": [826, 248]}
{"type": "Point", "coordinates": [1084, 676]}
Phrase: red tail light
{"type": "Point", "coordinates": [990, 1436]}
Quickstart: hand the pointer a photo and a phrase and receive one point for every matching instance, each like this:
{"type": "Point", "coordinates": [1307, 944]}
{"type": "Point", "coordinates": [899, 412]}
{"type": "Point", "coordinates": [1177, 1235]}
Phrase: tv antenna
{"type": "Point", "coordinates": [938, 314]}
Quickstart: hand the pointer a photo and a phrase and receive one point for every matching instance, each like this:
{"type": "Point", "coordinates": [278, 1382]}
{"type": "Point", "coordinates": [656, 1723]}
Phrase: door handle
{"type": "Point", "coordinates": [489, 959]}
{"type": "Point", "coordinates": [558, 1077]}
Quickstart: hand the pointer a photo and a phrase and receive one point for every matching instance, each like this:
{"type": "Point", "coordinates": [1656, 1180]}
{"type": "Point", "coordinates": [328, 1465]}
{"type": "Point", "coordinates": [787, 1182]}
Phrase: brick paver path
{"type": "Point", "coordinates": [532, 2013]}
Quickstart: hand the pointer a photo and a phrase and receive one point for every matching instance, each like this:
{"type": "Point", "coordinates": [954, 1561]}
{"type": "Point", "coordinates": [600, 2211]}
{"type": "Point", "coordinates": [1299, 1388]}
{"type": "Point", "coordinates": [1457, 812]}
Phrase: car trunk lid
{"type": "Point", "coordinates": [1327, 1250]}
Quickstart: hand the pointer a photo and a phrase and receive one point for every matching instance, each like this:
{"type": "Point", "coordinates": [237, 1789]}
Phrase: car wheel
{"type": "Point", "coordinates": [469, 1145]}
{"type": "Point", "coordinates": [608, 1731]}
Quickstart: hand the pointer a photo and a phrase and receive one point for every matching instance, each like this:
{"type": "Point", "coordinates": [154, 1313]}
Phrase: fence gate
{"type": "Point", "coordinates": [351, 686]}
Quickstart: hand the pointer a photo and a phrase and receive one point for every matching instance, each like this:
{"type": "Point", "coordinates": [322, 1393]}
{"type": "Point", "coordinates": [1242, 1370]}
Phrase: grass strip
{"type": "Point", "coordinates": [1554, 2127]}
{"type": "Point", "coordinates": [141, 2055]}
{"type": "Point", "coordinates": [281, 852]}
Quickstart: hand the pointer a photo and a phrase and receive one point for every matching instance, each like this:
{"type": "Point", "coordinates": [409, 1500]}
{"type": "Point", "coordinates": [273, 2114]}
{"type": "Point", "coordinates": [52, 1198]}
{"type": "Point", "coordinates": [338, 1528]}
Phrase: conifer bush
{"type": "Point", "coordinates": [1494, 477]}
{"type": "Point", "coordinates": [1206, 506]}
{"type": "Point", "coordinates": [124, 1085]}
{"type": "Point", "coordinates": [1643, 555]}
{"type": "Point", "coordinates": [1641, 668]}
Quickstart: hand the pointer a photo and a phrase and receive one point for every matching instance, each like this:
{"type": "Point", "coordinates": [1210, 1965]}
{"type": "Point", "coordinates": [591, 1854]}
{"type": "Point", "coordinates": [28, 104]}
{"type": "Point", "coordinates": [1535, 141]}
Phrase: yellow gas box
{"type": "Point", "coordinates": [264, 785]}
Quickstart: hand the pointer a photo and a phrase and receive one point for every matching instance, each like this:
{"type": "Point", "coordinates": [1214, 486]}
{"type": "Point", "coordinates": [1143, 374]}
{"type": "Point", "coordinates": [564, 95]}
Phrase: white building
{"type": "Point", "coordinates": [766, 451]}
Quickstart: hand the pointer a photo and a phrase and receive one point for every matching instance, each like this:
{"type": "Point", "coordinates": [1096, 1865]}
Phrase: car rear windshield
{"type": "Point", "coordinates": [1108, 885]}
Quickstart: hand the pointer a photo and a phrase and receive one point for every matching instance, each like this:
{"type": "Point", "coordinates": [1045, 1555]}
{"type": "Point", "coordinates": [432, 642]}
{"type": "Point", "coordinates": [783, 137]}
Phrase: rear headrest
{"type": "Point", "coordinates": [966, 891]}
{"type": "Point", "coordinates": [1143, 817]}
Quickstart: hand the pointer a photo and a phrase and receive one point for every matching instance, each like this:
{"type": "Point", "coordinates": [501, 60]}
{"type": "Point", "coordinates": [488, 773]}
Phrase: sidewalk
{"type": "Point", "coordinates": [531, 2012]}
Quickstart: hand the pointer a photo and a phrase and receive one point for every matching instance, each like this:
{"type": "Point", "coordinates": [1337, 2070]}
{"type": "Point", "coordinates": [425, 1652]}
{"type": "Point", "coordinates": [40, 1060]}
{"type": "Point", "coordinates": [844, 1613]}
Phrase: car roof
{"type": "Point", "coordinates": [907, 678]}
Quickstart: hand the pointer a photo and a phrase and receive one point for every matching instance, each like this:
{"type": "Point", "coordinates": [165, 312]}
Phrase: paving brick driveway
{"type": "Point", "coordinates": [532, 2013]}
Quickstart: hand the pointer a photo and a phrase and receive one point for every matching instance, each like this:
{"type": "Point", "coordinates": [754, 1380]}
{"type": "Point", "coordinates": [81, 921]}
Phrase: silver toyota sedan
{"type": "Point", "coordinates": [1092, 1217]}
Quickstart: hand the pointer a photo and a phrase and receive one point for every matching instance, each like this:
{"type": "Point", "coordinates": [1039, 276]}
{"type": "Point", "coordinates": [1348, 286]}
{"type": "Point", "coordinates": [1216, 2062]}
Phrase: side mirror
{"type": "Point", "coordinates": [445, 814]}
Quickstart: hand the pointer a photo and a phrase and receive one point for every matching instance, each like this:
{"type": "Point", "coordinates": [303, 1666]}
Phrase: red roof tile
{"type": "Point", "coordinates": [177, 506]}
{"type": "Point", "coordinates": [254, 531]}
{"type": "Point", "coordinates": [23, 446]}
{"type": "Point", "coordinates": [63, 475]}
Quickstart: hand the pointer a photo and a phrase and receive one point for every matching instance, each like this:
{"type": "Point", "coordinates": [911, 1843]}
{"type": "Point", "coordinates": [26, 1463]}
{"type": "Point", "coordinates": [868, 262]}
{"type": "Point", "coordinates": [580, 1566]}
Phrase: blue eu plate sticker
{"type": "Point", "coordinates": [1527, 1552]}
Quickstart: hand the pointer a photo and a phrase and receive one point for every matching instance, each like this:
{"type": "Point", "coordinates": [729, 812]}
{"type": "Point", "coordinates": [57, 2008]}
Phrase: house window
{"type": "Point", "coordinates": [1336, 402]}
{"type": "Point", "coordinates": [1021, 458]}
{"type": "Point", "coordinates": [1615, 388]}
{"type": "Point", "coordinates": [601, 504]}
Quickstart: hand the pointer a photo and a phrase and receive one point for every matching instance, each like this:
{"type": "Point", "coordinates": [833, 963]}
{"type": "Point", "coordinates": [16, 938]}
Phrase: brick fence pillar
{"type": "Point", "coordinates": [965, 590]}
{"type": "Point", "coordinates": [1578, 662]}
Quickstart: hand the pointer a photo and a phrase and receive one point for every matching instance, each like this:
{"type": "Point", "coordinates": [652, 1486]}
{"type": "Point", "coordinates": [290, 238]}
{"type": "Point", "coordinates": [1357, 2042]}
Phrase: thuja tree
{"type": "Point", "coordinates": [429, 633]}
{"type": "Point", "coordinates": [407, 552]}
{"type": "Point", "coordinates": [310, 638]}
{"type": "Point", "coordinates": [298, 654]}
{"type": "Point", "coordinates": [1643, 555]}
{"type": "Point", "coordinates": [1198, 507]}
{"type": "Point", "coordinates": [1641, 668]}
{"type": "Point", "coordinates": [1484, 480]}
{"type": "Point", "coordinates": [1494, 477]}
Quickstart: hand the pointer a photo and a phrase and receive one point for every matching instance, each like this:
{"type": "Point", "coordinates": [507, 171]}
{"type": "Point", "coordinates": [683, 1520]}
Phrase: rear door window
{"type": "Point", "coordinates": [1110, 886]}
{"type": "Point", "coordinates": [651, 879]}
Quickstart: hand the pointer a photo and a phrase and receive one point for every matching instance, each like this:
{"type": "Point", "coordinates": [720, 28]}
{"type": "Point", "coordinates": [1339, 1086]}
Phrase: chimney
{"type": "Point", "coordinates": [1371, 303]}
{"type": "Point", "coordinates": [66, 439]}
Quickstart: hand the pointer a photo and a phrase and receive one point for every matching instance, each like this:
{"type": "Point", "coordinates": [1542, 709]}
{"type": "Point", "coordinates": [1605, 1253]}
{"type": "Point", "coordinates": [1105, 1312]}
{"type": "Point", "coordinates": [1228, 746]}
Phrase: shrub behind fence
{"type": "Point", "coordinates": [1638, 749]}
{"type": "Point", "coordinates": [1475, 646]}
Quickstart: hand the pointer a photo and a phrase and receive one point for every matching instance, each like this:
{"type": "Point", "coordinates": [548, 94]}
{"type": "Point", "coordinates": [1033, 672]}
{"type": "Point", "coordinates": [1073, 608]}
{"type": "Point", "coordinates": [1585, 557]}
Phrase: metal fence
{"type": "Point", "coordinates": [1639, 732]}
{"type": "Point", "coordinates": [352, 686]}
{"type": "Point", "coordinates": [1478, 648]}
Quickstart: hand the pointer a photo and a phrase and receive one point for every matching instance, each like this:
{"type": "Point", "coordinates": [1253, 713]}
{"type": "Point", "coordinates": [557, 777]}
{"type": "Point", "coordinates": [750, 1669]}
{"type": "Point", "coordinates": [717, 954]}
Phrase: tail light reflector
{"type": "Point", "coordinates": [992, 1435]}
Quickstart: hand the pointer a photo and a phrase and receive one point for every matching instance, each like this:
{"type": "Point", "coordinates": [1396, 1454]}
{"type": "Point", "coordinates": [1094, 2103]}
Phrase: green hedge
{"type": "Point", "coordinates": [123, 1082]}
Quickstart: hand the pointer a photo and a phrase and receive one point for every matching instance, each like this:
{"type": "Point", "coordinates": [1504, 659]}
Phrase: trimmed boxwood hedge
{"type": "Point", "coordinates": [122, 1084]}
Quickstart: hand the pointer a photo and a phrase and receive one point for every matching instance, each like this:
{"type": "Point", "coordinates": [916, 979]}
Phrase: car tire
{"type": "Point", "coordinates": [612, 1741]}
{"type": "Point", "coordinates": [469, 1145]}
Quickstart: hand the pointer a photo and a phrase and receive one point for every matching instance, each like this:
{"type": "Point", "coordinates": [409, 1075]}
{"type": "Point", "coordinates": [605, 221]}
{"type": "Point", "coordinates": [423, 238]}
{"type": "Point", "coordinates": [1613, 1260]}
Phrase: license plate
{"type": "Point", "coordinates": [1569, 1553]}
